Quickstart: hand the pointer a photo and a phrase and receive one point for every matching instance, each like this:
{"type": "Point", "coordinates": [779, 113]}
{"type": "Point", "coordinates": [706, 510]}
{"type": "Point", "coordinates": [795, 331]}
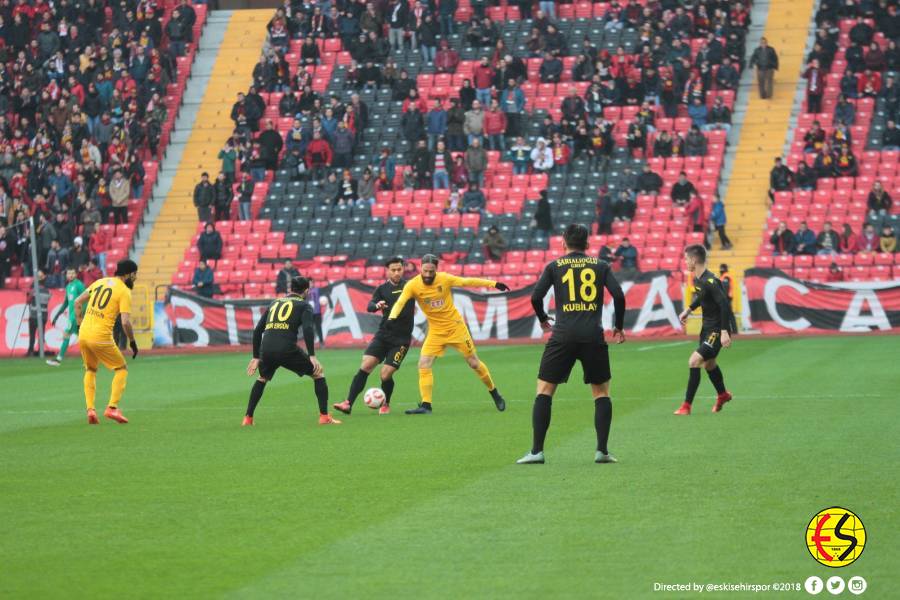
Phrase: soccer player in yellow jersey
{"type": "Point", "coordinates": [434, 293]}
{"type": "Point", "coordinates": [106, 299]}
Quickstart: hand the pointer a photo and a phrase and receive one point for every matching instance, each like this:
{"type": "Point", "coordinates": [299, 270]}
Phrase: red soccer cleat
{"type": "Point", "coordinates": [384, 410]}
{"type": "Point", "coordinates": [92, 417]}
{"type": "Point", "coordinates": [328, 420]}
{"type": "Point", "coordinates": [247, 421]}
{"type": "Point", "coordinates": [684, 410]}
{"type": "Point", "coordinates": [721, 399]}
{"type": "Point", "coordinates": [115, 414]}
{"type": "Point", "coordinates": [344, 407]}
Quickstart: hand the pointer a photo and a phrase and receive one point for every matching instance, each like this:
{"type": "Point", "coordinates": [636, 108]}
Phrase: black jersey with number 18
{"type": "Point", "coordinates": [578, 281]}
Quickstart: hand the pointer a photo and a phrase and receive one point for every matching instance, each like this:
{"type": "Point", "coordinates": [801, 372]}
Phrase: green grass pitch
{"type": "Point", "coordinates": [183, 502]}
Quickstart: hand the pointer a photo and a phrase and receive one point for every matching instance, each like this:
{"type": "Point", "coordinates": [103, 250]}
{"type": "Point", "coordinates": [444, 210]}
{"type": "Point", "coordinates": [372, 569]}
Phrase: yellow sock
{"type": "Point", "coordinates": [118, 386]}
{"type": "Point", "coordinates": [90, 388]}
{"type": "Point", "coordinates": [426, 384]}
{"type": "Point", "coordinates": [485, 376]}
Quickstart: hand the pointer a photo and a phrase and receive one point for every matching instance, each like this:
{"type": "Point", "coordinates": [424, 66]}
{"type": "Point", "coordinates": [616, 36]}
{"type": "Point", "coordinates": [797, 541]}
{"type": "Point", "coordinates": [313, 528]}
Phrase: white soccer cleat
{"type": "Point", "coordinates": [53, 362]}
{"type": "Point", "coordinates": [604, 458]}
{"type": "Point", "coordinates": [531, 459]}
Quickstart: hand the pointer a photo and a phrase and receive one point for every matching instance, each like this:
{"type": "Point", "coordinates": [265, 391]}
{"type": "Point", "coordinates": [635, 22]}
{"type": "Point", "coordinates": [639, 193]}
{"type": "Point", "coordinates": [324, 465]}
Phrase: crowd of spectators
{"type": "Point", "coordinates": [82, 103]}
{"type": "Point", "coordinates": [828, 241]}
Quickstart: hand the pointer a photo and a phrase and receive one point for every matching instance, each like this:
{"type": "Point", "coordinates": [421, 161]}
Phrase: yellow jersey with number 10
{"type": "Point", "coordinates": [436, 300]}
{"type": "Point", "coordinates": [108, 298]}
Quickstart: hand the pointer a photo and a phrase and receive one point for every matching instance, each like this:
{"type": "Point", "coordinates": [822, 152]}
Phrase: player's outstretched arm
{"type": "Point", "coordinates": [618, 296]}
{"type": "Point", "coordinates": [79, 305]}
{"type": "Point", "coordinates": [405, 297]}
{"type": "Point", "coordinates": [537, 296]}
{"type": "Point", "coordinates": [455, 281]}
{"type": "Point", "coordinates": [377, 302]}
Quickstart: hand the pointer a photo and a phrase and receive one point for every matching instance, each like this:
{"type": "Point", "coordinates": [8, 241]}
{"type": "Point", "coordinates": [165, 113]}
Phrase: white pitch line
{"type": "Point", "coordinates": [655, 346]}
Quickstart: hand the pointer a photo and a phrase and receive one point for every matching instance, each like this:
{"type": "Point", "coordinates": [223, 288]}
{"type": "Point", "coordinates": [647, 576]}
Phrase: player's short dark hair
{"type": "Point", "coordinates": [394, 260]}
{"type": "Point", "coordinates": [697, 252]}
{"type": "Point", "coordinates": [723, 267]}
{"type": "Point", "coordinates": [299, 285]}
{"type": "Point", "coordinates": [430, 259]}
{"type": "Point", "coordinates": [126, 267]}
{"type": "Point", "coordinates": [576, 237]}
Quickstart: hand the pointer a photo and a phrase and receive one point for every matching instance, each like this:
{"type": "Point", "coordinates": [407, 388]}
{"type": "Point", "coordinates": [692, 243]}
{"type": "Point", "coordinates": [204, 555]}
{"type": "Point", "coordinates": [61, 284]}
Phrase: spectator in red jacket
{"type": "Point", "coordinates": [318, 156]}
{"type": "Point", "coordinates": [495, 127]}
{"type": "Point", "coordinates": [694, 211]}
{"type": "Point", "coordinates": [847, 240]}
{"type": "Point", "coordinates": [562, 154]}
{"type": "Point", "coordinates": [447, 59]}
{"type": "Point", "coordinates": [98, 246]}
{"type": "Point", "coordinates": [867, 241]}
{"type": "Point", "coordinates": [869, 84]}
{"type": "Point", "coordinates": [484, 80]}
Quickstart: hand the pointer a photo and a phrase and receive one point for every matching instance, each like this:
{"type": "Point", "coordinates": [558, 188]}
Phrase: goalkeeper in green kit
{"type": "Point", "coordinates": [74, 288]}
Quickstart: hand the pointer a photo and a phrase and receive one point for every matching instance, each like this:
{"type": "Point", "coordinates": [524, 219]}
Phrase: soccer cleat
{"type": "Point", "coordinates": [248, 420]}
{"type": "Point", "coordinates": [721, 399]}
{"type": "Point", "coordinates": [344, 407]}
{"type": "Point", "coordinates": [113, 413]}
{"type": "Point", "coordinates": [423, 409]}
{"type": "Point", "coordinates": [499, 402]}
{"type": "Point", "coordinates": [384, 410]}
{"type": "Point", "coordinates": [604, 458]}
{"type": "Point", "coordinates": [684, 410]}
{"type": "Point", "coordinates": [53, 362]}
{"type": "Point", "coordinates": [92, 417]}
{"type": "Point", "coordinates": [328, 420]}
{"type": "Point", "coordinates": [531, 459]}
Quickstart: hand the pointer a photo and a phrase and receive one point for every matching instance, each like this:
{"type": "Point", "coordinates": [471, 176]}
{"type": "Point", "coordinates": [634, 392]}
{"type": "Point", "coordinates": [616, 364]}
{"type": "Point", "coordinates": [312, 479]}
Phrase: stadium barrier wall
{"type": "Point", "coordinates": [654, 300]}
{"type": "Point", "coordinates": [781, 304]}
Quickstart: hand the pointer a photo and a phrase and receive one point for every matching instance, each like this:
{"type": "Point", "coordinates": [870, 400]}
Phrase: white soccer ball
{"type": "Point", "coordinates": [374, 398]}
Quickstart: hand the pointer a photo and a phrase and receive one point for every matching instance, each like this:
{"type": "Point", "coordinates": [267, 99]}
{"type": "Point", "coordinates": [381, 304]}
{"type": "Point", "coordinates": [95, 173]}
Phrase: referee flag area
{"type": "Point", "coordinates": [183, 502]}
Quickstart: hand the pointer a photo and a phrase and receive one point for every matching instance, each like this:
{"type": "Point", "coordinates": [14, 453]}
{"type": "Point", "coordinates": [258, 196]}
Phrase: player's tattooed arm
{"type": "Point", "coordinates": [79, 305]}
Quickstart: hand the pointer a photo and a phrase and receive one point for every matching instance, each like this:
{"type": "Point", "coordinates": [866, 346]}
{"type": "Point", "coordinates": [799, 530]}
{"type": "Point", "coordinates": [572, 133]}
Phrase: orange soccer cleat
{"type": "Point", "coordinates": [92, 417]}
{"type": "Point", "coordinates": [721, 399]}
{"type": "Point", "coordinates": [684, 410]}
{"type": "Point", "coordinates": [384, 410]}
{"type": "Point", "coordinates": [113, 413]}
{"type": "Point", "coordinates": [248, 420]}
{"type": "Point", "coordinates": [344, 407]}
{"type": "Point", "coordinates": [328, 420]}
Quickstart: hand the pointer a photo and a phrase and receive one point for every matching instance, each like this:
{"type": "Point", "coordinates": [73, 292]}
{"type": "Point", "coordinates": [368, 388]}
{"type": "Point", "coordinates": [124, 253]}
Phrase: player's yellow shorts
{"type": "Point", "coordinates": [460, 339]}
{"type": "Point", "coordinates": [106, 352]}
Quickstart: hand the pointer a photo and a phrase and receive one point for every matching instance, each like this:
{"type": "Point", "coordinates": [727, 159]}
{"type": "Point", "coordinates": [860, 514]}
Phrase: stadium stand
{"type": "Point", "coordinates": [298, 218]}
{"type": "Point", "coordinates": [851, 83]}
{"type": "Point", "coordinates": [87, 91]}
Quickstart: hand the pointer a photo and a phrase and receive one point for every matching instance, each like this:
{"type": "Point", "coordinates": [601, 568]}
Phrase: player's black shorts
{"type": "Point", "coordinates": [387, 350]}
{"type": "Point", "coordinates": [710, 343]}
{"type": "Point", "coordinates": [559, 357]}
{"type": "Point", "coordinates": [292, 360]}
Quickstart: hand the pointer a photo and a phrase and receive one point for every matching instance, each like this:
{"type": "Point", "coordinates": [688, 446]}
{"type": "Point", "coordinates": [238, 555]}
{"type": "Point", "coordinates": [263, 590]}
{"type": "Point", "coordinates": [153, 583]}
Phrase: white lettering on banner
{"type": "Point", "coordinates": [16, 320]}
{"type": "Point", "coordinates": [855, 322]}
{"type": "Point", "coordinates": [194, 323]}
{"type": "Point", "coordinates": [659, 288]}
{"type": "Point", "coordinates": [340, 297]}
{"type": "Point", "coordinates": [496, 309]}
{"type": "Point", "coordinates": [609, 307]}
{"type": "Point", "coordinates": [231, 324]}
{"type": "Point", "coordinates": [770, 296]}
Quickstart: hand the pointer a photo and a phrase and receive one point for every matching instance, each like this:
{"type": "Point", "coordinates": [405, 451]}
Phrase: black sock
{"type": "Point", "coordinates": [322, 395]}
{"type": "Point", "coordinates": [540, 421]}
{"type": "Point", "coordinates": [602, 421]}
{"type": "Point", "coordinates": [256, 393]}
{"type": "Point", "coordinates": [693, 384]}
{"type": "Point", "coordinates": [387, 386]}
{"type": "Point", "coordinates": [717, 379]}
{"type": "Point", "coordinates": [357, 385]}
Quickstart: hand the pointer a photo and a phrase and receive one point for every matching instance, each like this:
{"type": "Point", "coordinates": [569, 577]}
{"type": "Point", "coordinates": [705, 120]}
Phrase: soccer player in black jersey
{"type": "Point", "coordinates": [275, 346]}
{"type": "Point", "coordinates": [718, 325]}
{"type": "Point", "coordinates": [578, 281]}
{"type": "Point", "coordinates": [391, 342]}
